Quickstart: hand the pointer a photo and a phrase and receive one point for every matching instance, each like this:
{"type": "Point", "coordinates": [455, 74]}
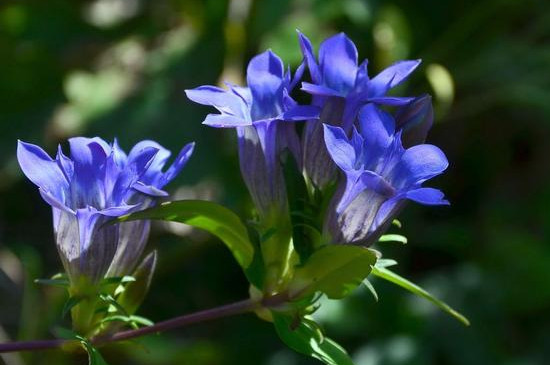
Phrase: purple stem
{"type": "Point", "coordinates": [227, 310]}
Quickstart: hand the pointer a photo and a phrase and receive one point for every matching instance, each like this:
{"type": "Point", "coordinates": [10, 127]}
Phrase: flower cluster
{"type": "Point", "coordinates": [361, 158]}
{"type": "Point", "coordinates": [95, 184]}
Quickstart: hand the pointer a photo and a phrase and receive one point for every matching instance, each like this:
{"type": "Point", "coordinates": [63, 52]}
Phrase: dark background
{"type": "Point", "coordinates": [119, 68]}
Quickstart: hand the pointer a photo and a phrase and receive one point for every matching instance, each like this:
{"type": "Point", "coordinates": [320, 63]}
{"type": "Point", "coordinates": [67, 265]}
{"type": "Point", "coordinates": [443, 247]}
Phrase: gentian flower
{"type": "Point", "coordinates": [96, 183]}
{"type": "Point", "coordinates": [260, 113]}
{"type": "Point", "coordinates": [380, 174]}
{"type": "Point", "coordinates": [340, 86]}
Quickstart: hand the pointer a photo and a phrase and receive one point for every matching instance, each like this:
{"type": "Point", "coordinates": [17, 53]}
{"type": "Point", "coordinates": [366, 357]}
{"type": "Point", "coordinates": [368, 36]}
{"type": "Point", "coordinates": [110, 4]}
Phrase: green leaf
{"type": "Point", "coordinates": [206, 215]}
{"type": "Point", "coordinates": [112, 301]}
{"type": "Point", "coordinates": [117, 280]}
{"type": "Point", "coordinates": [393, 238]}
{"type": "Point", "coordinates": [385, 263]}
{"type": "Point", "coordinates": [335, 270]}
{"type": "Point", "coordinates": [65, 333]}
{"type": "Point", "coordinates": [304, 336]}
{"type": "Point", "coordinates": [415, 289]}
{"type": "Point", "coordinates": [369, 286]}
{"type": "Point", "coordinates": [128, 319]}
{"type": "Point", "coordinates": [94, 357]}
{"type": "Point", "coordinates": [61, 282]}
{"type": "Point", "coordinates": [70, 304]}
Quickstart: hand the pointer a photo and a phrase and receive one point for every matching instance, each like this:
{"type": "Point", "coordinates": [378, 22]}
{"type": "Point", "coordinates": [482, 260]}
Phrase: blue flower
{"type": "Point", "coordinates": [96, 183]}
{"type": "Point", "coordinates": [380, 174]}
{"type": "Point", "coordinates": [261, 113]}
{"type": "Point", "coordinates": [340, 86]}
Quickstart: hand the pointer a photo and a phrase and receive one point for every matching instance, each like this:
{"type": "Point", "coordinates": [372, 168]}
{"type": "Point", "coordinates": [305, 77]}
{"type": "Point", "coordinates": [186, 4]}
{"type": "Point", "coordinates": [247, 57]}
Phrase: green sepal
{"type": "Point", "coordinates": [209, 216]}
{"type": "Point", "coordinates": [384, 273]}
{"type": "Point", "coordinates": [393, 238]}
{"type": "Point", "coordinates": [335, 270]}
{"type": "Point", "coordinates": [94, 357]}
{"type": "Point", "coordinates": [131, 320]}
{"type": "Point", "coordinates": [59, 280]}
{"type": "Point", "coordinates": [133, 293]}
{"type": "Point", "coordinates": [70, 304]}
{"type": "Point", "coordinates": [304, 335]}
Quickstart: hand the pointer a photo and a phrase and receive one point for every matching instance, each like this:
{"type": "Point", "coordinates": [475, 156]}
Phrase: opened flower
{"type": "Point", "coordinates": [340, 86]}
{"type": "Point", "coordinates": [380, 175]}
{"type": "Point", "coordinates": [261, 113]}
{"type": "Point", "coordinates": [95, 183]}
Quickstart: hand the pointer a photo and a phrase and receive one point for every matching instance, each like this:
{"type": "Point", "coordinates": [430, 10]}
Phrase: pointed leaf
{"type": "Point", "coordinates": [62, 282]}
{"type": "Point", "coordinates": [304, 336]}
{"type": "Point", "coordinates": [393, 238]}
{"type": "Point", "coordinates": [70, 304]}
{"type": "Point", "coordinates": [369, 286]}
{"type": "Point", "coordinates": [335, 270]}
{"type": "Point", "coordinates": [415, 289]}
{"type": "Point", "coordinates": [206, 215]}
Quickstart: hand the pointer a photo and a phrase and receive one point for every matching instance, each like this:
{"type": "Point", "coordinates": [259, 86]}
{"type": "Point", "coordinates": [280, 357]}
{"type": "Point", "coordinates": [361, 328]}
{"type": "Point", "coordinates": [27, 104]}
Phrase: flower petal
{"type": "Point", "coordinates": [226, 102]}
{"type": "Point", "coordinates": [392, 76]}
{"type": "Point", "coordinates": [178, 164]}
{"type": "Point", "coordinates": [391, 100]}
{"type": "Point", "coordinates": [42, 170]}
{"type": "Point", "coordinates": [338, 63]}
{"type": "Point", "coordinates": [418, 164]}
{"type": "Point", "coordinates": [309, 57]}
{"type": "Point", "coordinates": [264, 77]}
{"type": "Point", "coordinates": [225, 121]}
{"type": "Point", "coordinates": [319, 90]}
{"type": "Point", "coordinates": [415, 119]}
{"type": "Point", "coordinates": [339, 147]}
{"type": "Point", "coordinates": [301, 112]}
{"type": "Point", "coordinates": [98, 243]}
{"type": "Point", "coordinates": [377, 128]}
{"type": "Point", "coordinates": [427, 196]}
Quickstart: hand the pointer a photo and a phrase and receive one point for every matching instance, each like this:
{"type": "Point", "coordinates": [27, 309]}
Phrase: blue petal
{"type": "Point", "coordinates": [339, 147]}
{"type": "Point", "coordinates": [242, 92]}
{"type": "Point", "coordinates": [377, 128]}
{"type": "Point", "coordinates": [427, 196]}
{"type": "Point", "coordinates": [418, 164]}
{"type": "Point", "coordinates": [149, 190]}
{"type": "Point", "coordinates": [391, 100]}
{"type": "Point", "coordinates": [297, 76]}
{"type": "Point", "coordinates": [301, 112]}
{"type": "Point", "coordinates": [319, 90]}
{"type": "Point", "coordinates": [358, 183]}
{"type": "Point", "coordinates": [65, 164]}
{"type": "Point", "coordinates": [225, 121]}
{"type": "Point", "coordinates": [42, 170]}
{"type": "Point", "coordinates": [415, 119]}
{"type": "Point", "coordinates": [137, 168]}
{"type": "Point", "coordinates": [89, 156]}
{"type": "Point", "coordinates": [178, 164]}
{"type": "Point", "coordinates": [152, 172]}
{"type": "Point", "coordinates": [225, 102]}
{"type": "Point", "coordinates": [338, 63]}
{"type": "Point", "coordinates": [392, 76]}
{"type": "Point", "coordinates": [307, 51]}
{"type": "Point", "coordinates": [264, 76]}
{"type": "Point", "coordinates": [98, 243]}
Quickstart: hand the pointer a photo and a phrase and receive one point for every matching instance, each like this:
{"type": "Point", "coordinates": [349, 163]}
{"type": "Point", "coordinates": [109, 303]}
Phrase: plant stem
{"type": "Point", "coordinates": [227, 310]}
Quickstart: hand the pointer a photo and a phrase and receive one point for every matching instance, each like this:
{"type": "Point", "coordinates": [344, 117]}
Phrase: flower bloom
{"type": "Point", "coordinates": [380, 174]}
{"type": "Point", "coordinates": [340, 86]}
{"type": "Point", "coordinates": [96, 183]}
{"type": "Point", "coordinates": [260, 113]}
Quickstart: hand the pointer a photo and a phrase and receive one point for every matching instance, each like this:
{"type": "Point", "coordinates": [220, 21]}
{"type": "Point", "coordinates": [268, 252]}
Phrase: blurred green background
{"type": "Point", "coordinates": [119, 68]}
